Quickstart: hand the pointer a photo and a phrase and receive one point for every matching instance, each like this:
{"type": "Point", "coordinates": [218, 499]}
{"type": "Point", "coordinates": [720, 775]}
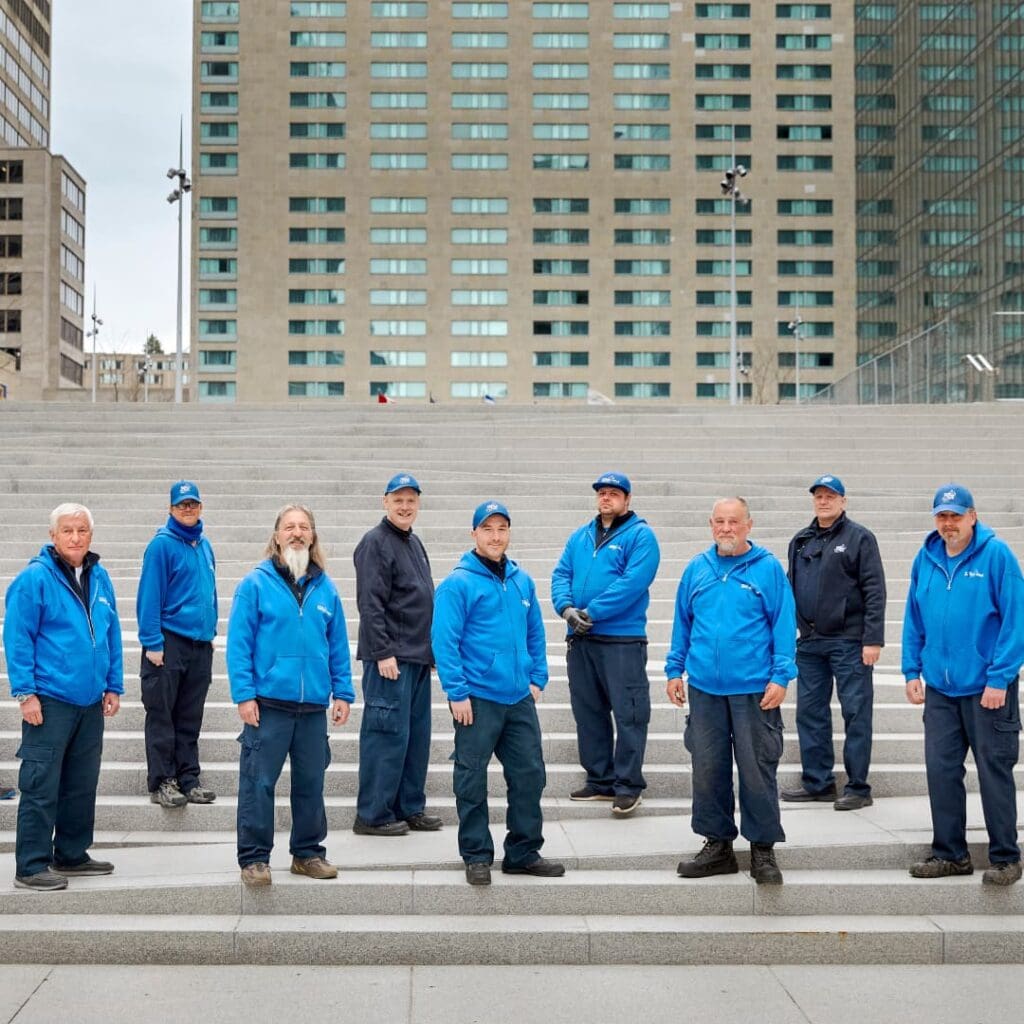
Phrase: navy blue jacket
{"type": "Point", "coordinates": [395, 595]}
{"type": "Point", "coordinates": [851, 582]}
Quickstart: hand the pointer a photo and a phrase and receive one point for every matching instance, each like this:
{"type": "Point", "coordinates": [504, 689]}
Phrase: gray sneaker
{"type": "Point", "coordinates": [200, 795]}
{"type": "Point", "coordinates": [936, 867]}
{"type": "Point", "coordinates": [168, 794]}
{"type": "Point", "coordinates": [42, 881]}
{"type": "Point", "coordinates": [1004, 873]}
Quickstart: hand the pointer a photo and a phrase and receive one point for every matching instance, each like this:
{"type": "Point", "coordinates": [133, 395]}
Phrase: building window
{"type": "Point", "coordinates": [70, 370]}
{"type": "Point", "coordinates": [398, 388]}
{"type": "Point", "coordinates": [398, 328]}
{"type": "Point", "coordinates": [316, 389]}
{"type": "Point", "coordinates": [397, 297]}
{"type": "Point", "coordinates": [644, 268]}
{"type": "Point", "coordinates": [476, 10]}
{"type": "Point", "coordinates": [398, 204]}
{"type": "Point", "coordinates": [643, 328]}
{"type": "Point", "coordinates": [217, 390]}
{"type": "Point", "coordinates": [478, 389]}
{"type": "Point", "coordinates": [563, 10]}
{"type": "Point", "coordinates": [316, 236]}
{"type": "Point", "coordinates": [559, 389]}
{"type": "Point", "coordinates": [479, 236]}
{"type": "Point", "coordinates": [317, 130]}
{"type": "Point", "coordinates": [317, 100]}
{"type": "Point", "coordinates": [317, 10]}
{"type": "Point", "coordinates": [479, 130]}
{"type": "Point", "coordinates": [398, 357]}
{"type": "Point", "coordinates": [218, 163]}
{"type": "Point", "coordinates": [398, 236]}
{"type": "Point", "coordinates": [643, 298]}
{"type": "Point", "coordinates": [398, 161]}
{"type": "Point", "coordinates": [479, 328]}
{"type": "Point", "coordinates": [11, 209]}
{"type": "Point", "coordinates": [316, 297]}
{"type": "Point", "coordinates": [479, 161]}
{"type": "Point", "coordinates": [479, 101]}
{"type": "Point", "coordinates": [460, 359]}
{"type": "Point", "coordinates": [398, 100]}
{"type": "Point", "coordinates": [561, 359]}
{"type": "Point", "coordinates": [475, 204]}
{"type": "Point", "coordinates": [556, 268]}
{"type": "Point", "coordinates": [398, 266]}
{"type": "Point", "coordinates": [710, 390]}
{"type": "Point", "coordinates": [643, 236]}
{"type": "Point", "coordinates": [479, 40]}
{"type": "Point", "coordinates": [561, 297]}
{"type": "Point", "coordinates": [479, 267]}
{"type": "Point", "coordinates": [479, 297]}
{"type": "Point", "coordinates": [217, 360]}
{"type": "Point", "coordinates": [317, 328]}
{"type": "Point", "coordinates": [640, 389]}
{"type": "Point", "coordinates": [561, 328]}
{"type": "Point", "coordinates": [642, 162]}
{"type": "Point", "coordinates": [561, 236]}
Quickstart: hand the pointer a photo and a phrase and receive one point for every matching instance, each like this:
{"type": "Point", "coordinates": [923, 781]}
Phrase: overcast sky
{"type": "Point", "coordinates": [121, 80]}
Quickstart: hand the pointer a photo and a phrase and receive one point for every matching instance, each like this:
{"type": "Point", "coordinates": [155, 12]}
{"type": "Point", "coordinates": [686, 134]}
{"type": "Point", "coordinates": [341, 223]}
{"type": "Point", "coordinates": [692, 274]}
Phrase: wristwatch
{"type": "Point", "coordinates": [22, 697]}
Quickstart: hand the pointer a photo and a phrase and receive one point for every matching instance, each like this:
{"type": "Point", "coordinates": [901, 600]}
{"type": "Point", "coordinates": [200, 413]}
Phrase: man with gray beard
{"type": "Point", "coordinates": [288, 660]}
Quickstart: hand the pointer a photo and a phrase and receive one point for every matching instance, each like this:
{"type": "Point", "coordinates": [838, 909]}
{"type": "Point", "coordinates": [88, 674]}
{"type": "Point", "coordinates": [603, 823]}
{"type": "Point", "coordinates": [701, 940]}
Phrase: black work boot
{"type": "Point", "coordinates": [715, 858]}
{"type": "Point", "coordinates": [763, 868]}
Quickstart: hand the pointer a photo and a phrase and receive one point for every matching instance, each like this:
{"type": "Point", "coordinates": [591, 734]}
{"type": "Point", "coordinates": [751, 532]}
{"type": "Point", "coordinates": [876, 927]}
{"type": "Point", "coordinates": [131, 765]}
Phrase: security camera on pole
{"type": "Point", "coordinates": [794, 326]}
{"type": "Point", "coordinates": [178, 196]}
{"type": "Point", "coordinates": [730, 188]}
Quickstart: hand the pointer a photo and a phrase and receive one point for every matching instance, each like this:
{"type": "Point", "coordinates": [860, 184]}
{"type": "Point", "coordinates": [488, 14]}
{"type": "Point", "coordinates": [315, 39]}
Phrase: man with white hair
{"type": "Point", "coordinates": [288, 661]}
{"type": "Point", "coordinates": [62, 639]}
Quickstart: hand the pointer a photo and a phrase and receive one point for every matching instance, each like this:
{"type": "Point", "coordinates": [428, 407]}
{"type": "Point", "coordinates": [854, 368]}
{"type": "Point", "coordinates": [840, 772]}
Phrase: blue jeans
{"type": "Point", "coordinates": [717, 729]}
{"type": "Point", "coordinates": [174, 695]}
{"type": "Point", "coordinates": [303, 739]}
{"type": "Point", "coordinates": [394, 743]}
{"type": "Point", "coordinates": [951, 726]}
{"type": "Point", "coordinates": [819, 661]}
{"type": "Point", "coordinates": [512, 732]}
{"type": "Point", "coordinates": [606, 680]}
{"type": "Point", "coordinates": [60, 769]}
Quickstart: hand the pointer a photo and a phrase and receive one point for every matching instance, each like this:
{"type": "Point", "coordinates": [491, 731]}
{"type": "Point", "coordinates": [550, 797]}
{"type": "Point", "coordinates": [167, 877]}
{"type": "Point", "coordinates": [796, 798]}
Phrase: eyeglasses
{"type": "Point", "coordinates": [188, 506]}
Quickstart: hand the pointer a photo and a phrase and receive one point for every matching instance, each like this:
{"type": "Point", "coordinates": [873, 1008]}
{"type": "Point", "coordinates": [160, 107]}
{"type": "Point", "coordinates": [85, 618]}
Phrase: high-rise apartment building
{"type": "Point", "coordinates": [521, 199]}
{"type": "Point", "coordinates": [940, 194]}
{"type": "Point", "coordinates": [42, 220]}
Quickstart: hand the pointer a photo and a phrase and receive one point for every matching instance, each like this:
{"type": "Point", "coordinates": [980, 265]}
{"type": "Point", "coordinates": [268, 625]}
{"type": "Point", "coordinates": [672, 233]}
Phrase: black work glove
{"type": "Point", "coordinates": [579, 622]}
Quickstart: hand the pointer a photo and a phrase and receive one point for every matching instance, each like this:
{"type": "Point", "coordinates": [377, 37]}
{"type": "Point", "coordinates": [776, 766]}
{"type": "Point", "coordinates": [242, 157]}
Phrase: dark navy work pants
{"type": "Point", "coordinates": [60, 769]}
{"type": "Point", "coordinates": [606, 681]}
{"type": "Point", "coordinates": [512, 733]}
{"type": "Point", "coordinates": [952, 725]}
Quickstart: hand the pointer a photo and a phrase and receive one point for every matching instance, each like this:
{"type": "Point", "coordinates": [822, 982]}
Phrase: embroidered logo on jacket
{"type": "Point", "coordinates": [973, 574]}
{"type": "Point", "coordinates": [326, 611]}
{"type": "Point", "coordinates": [839, 549]}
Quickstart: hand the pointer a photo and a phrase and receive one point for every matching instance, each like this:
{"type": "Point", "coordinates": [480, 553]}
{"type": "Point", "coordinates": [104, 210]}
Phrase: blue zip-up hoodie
{"type": "Point", "coordinates": [964, 632]}
{"type": "Point", "coordinates": [609, 580]}
{"type": "Point", "coordinates": [735, 624]}
{"type": "Point", "coordinates": [488, 634]}
{"type": "Point", "coordinates": [280, 649]}
{"type": "Point", "coordinates": [53, 647]}
{"type": "Point", "coordinates": [177, 589]}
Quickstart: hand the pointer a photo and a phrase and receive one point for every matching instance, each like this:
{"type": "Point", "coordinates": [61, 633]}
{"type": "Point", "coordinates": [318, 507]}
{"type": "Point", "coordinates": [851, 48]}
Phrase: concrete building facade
{"type": "Point", "coordinates": [42, 221]}
{"type": "Point", "coordinates": [520, 200]}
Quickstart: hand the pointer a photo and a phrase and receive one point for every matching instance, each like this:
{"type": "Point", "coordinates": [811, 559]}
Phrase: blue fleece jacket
{"type": "Point", "coordinates": [735, 624]}
{"type": "Point", "coordinates": [280, 649]}
{"type": "Point", "coordinates": [965, 631]}
{"type": "Point", "coordinates": [177, 589]}
{"type": "Point", "coordinates": [488, 634]}
{"type": "Point", "coordinates": [53, 647]}
{"type": "Point", "coordinates": [611, 579]}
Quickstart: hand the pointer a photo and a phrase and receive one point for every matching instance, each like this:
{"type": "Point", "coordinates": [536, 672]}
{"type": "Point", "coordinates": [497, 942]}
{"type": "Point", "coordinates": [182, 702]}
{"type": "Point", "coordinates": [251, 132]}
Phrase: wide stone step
{"type": "Point", "coordinates": [482, 939]}
{"type": "Point", "coordinates": [663, 780]}
{"type": "Point", "coordinates": [444, 891]}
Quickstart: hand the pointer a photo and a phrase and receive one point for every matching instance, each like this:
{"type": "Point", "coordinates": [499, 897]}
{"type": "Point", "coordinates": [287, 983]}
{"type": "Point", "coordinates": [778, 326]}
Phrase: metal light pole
{"type": "Point", "coordinates": [178, 196]}
{"type": "Point", "coordinates": [730, 188]}
{"type": "Point", "coordinates": [97, 323]}
{"type": "Point", "coordinates": [795, 325]}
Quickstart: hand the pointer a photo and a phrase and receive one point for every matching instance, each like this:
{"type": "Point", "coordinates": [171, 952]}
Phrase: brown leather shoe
{"type": "Point", "coordinates": [313, 867]}
{"type": "Point", "coordinates": [256, 875]}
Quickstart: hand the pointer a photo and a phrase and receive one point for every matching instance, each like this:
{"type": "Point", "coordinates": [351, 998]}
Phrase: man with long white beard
{"type": "Point", "coordinates": [288, 660]}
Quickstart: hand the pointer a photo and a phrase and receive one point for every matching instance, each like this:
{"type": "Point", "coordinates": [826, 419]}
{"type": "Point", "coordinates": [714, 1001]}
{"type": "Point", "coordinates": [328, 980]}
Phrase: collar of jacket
{"type": "Point", "coordinates": [406, 535]}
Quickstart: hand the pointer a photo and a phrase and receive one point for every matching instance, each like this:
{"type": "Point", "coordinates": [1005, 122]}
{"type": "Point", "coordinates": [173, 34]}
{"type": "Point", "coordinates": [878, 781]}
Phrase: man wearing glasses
{"type": "Point", "coordinates": [177, 612]}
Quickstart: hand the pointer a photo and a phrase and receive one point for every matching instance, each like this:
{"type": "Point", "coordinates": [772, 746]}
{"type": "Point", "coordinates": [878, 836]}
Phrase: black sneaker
{"type": "Point", "coordinates": [936, 867]}
{"type": "Point", "coordinates": [801, 795]}
{"type": "Point", "coordinates": [478, 873]}
{"type": "Point", "coordinates": [715, 858]}
{"type": "Point", "coordinates": [389, 828]}
{"type": "Point", "coordinates": [589, 793]}
{"type": "Point", "coordinates": [540, 867]}
{"type": "Point", "coordinates": [424, 822]}
{"type": "Point", "coordinates": [1004, 873]}
{"type": "Point", "coordinates": [87, 867]}
{"type": "Point", "coordinates": [43, 881]}
{"type": "Point", "coordinates": [763, 868]}
{"type": "Point", "coordinates": [626, 803]}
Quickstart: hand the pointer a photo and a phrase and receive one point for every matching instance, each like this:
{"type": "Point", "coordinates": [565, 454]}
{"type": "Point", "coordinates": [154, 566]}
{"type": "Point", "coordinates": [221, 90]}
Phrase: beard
{"type": "Point", "coordinates": [296, 560]}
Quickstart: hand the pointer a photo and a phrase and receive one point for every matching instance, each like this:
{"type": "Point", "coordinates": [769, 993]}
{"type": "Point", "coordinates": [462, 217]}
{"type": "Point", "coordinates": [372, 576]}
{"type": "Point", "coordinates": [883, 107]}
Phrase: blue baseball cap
{"type": "Point", "coordinates": [619, 480]}
{"type": "Point", "coordinates": [952, 498]}
{"type": "Point", "coordinates": [400, 481]}
{"type": "Point", "coordinates": [833, 483]}
{"type": "Point", "coordinates": [184, 490]}
{"type": "Point", "coordinates": [487, 509]}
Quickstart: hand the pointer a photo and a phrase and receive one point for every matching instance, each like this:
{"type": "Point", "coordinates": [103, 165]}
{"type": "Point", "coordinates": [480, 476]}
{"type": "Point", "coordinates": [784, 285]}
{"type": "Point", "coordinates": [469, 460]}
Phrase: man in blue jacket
{"type": "Point", "coordinates": [734, 635]}
{"type": "Point", "coordinates": [963, 647]}
{"type": "Point", "coordinates": [62, 639]}
{"type": "Point", "coordinates": [395, 594]}
{"type": "Point", "coordinates": [288, 660]}
{"type": "Point", "coordinates": [176, 607]}
{"type": "Point", "coordinates": [601, 587]}
{"type": "Point", "coordinates": [489, 647]}
{"type": "Point", "coordinates": [839, 586]}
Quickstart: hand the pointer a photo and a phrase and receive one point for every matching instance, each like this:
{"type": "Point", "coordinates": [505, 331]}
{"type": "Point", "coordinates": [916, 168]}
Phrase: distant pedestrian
{"type": "Point", "coordinates": [963, 647]}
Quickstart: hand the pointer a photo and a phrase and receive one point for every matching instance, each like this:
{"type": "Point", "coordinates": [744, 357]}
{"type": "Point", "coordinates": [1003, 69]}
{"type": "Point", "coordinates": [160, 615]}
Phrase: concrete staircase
{"type": "Point", "coordinates": [176, 898]}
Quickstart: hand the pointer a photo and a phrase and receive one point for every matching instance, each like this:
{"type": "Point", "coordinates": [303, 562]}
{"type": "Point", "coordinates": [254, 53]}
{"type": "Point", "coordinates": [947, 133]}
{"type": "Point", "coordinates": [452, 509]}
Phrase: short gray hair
{"type": "Point", "coordinates": [737, 499]}
{"type": "Point", "coordinates": [69, 508]}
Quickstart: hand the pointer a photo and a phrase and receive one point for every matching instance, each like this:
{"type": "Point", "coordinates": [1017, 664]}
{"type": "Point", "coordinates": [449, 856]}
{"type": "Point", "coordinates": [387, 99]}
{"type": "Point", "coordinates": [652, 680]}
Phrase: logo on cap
{"type": "Point", "coordinates": [827, 479]}
{"type": "Point", "coordinates": [404, 479]}
{"type": "Point", "coordinates": [948, 495]}
{"type": "Point", "coordinates": [492, 506]}
{"type": "Point", "coordinates": [185, 489]}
